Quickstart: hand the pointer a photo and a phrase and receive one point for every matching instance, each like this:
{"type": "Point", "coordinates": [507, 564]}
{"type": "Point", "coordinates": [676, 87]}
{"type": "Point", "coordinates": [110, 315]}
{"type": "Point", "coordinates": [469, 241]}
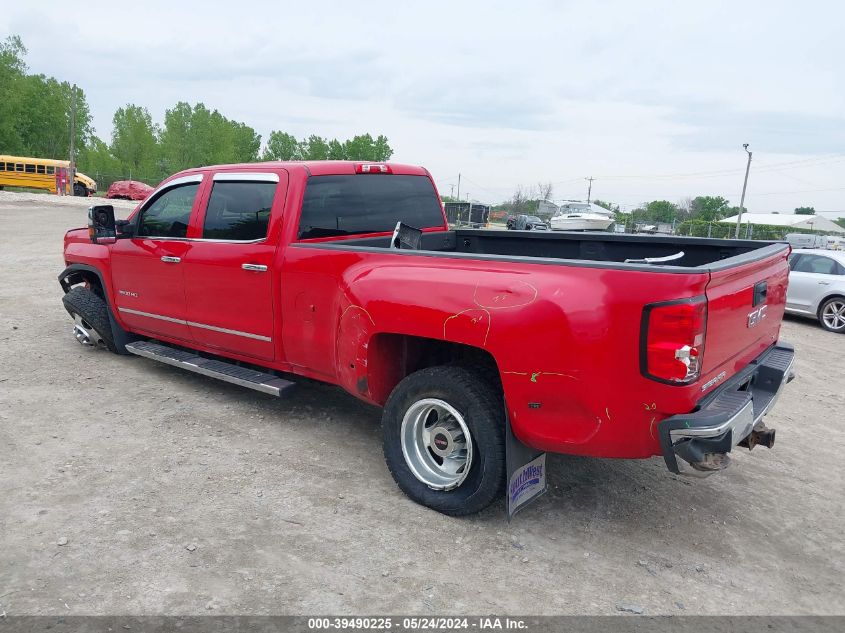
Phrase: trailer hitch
{"type": "Point", "coordinates": [760, 434]}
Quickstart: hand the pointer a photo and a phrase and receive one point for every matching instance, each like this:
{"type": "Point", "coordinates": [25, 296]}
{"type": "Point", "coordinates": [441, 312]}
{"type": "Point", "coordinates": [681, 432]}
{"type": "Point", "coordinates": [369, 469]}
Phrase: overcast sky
{"type": "Point", "coordinates": [653, 99]}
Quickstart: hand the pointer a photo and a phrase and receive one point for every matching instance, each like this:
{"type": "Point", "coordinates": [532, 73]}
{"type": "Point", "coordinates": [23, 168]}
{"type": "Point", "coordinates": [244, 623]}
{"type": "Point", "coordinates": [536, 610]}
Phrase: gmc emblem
{"type": "Point", "coordinates": [758, 315]}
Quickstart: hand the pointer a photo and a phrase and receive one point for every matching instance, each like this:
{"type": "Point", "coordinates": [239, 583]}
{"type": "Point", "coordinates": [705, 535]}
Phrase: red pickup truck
{"type": "Point", "coordinates": [596, 344]}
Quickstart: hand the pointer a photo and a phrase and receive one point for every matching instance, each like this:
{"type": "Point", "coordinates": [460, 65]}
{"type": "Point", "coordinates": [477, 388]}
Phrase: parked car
{"type": "Point", "coordinates": [817, 287]}
{"type": "Point", "coordinates": [528, 223]}
{"type": "Point", "coordinates": [477, 343]}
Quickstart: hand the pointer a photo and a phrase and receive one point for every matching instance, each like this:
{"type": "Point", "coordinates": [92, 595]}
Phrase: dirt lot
{"type": "Point", "coordinates": [128, 487]}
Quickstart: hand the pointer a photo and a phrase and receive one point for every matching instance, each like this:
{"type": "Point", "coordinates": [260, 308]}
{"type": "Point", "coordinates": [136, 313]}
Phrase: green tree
{"type": "Point", "coordinates": [365, 147]}
{"type": "Point", "coordinates": [840, 222]}
{"type": "Point", "coordinates": [35, 109]}
{"type": "Point", "coordinates": [97, 161]}
{"type": "Point", "coordinates": [336, 150]}
{"type": "Point", "coordinates": [282, 146]}
{"type": "Point", "coordinates": [195, 136]}
{"type": "Point", "coordinates": [708, 208]}
{"type": "Point", "coordinates": [246, 143]}
{"type": "Point", "coordinates": [315, 148]}
{"type": "Point", "coordinates": [805, 211]}
{"type": "Point", "coordinates": [656, 211]}
{"type": "Point", "coordinates": [135, 143]}
{"type": "Point", "coordinates": [12, 73]}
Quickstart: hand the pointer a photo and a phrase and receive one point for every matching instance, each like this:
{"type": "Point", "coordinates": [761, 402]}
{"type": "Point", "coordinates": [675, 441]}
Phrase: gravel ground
{"type": "Point", "coordinates": [129, 487]}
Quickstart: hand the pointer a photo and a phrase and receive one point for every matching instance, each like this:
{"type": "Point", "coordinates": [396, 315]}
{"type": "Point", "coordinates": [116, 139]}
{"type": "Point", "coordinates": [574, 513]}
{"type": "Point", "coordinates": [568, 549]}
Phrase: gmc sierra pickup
{"type": "Point", "coordinates": [588, 344]}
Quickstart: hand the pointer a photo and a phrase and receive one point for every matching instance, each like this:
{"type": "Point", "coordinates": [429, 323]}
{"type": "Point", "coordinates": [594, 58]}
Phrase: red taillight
{"type": "Point", "coordinates": [673, 340]}
{"type": "Point", "coordinates": [372, 168]}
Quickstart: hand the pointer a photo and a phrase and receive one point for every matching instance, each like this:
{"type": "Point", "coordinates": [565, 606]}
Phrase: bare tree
{"type": "Point", "coordinates": [519, 200]}
{"type": "Point", "coordinates": [544, 190]}
{"type": "Point", "coordinates": [684, 206]}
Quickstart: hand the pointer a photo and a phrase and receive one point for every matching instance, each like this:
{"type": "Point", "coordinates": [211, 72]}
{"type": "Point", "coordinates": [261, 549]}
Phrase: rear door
{"type": "Point", "coordinates": [229, 273]}
{"type": "Point", "coordinates": [147, 269]}
{"type": "Point", "coordinates": [745, 305]}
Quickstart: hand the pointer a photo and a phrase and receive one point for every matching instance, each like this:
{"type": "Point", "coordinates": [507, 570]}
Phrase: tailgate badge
{"type": "Point", "coordinates": [757, 315]}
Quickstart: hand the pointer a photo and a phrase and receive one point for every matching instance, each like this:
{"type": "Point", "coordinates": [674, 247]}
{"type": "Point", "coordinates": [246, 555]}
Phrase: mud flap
{"type": "Point", "coordinates": [526, 468]}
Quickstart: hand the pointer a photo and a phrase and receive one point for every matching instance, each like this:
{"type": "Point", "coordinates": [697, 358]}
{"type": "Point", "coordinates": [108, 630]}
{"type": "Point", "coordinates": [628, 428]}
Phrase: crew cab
{"type": "Point", "coordinates": [604, 345]}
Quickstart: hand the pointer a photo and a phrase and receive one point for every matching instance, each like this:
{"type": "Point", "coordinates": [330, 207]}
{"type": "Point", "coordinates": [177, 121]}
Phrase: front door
{"type": "Point", "coordinates": [229, 273]}
{"type": "Point", "coordinates": [147, 271]}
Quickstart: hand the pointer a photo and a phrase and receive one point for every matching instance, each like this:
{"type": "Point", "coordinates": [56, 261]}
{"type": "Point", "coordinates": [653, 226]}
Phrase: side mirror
{"type": "Point", "coordinates": [124, 229]}
{"type": "Point", "coordinates": [101, 224]}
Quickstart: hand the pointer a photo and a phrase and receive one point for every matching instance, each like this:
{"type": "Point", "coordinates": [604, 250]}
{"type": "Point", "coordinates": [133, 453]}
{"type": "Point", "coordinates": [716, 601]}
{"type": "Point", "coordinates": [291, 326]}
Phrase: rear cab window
{"type": "Point", "coordinates": [239, 208]}
{"type": "Point", "coordinates": [367, 203]}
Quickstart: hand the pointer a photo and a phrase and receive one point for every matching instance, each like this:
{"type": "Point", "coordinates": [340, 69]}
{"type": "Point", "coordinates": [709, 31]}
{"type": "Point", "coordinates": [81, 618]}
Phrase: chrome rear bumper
{"type": "Point", "coordinates": [697, 443]}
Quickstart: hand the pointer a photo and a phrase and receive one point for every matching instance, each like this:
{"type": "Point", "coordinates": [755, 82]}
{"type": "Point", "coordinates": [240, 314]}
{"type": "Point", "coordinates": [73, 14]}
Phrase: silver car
{"type": "Point", "coordinates": [817, 286]}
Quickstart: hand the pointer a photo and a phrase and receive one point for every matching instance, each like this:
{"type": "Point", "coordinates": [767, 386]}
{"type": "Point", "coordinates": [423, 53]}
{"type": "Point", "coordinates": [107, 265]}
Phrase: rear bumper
{"type": "Point", "coordinates": [697, 443]}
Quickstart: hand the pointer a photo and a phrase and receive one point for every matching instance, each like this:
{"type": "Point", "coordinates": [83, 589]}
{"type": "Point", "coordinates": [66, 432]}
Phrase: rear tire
{"type": "Point", "coordinates": [437, 419]}
{"type": "Point", "coordinates": [91, 316]}
{"type": "Point", "coordinates": [832, 315]}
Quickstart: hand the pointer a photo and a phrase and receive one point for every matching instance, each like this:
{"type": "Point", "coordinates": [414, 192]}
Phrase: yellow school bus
{"type": "Point", "coordinates": [40, 173]}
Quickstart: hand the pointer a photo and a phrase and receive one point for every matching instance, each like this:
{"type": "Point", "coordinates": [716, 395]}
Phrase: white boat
{"type": "Point", "coordinates": [581, 216]}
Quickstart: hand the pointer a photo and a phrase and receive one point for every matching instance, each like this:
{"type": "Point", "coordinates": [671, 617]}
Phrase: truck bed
{"type": "Point", "coordinates": [591, 249]}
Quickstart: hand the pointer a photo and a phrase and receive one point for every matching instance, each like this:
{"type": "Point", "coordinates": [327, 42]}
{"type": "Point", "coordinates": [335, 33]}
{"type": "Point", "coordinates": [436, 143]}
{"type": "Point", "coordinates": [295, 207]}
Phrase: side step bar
{"type": "Point", "coordinates": [227, 372]}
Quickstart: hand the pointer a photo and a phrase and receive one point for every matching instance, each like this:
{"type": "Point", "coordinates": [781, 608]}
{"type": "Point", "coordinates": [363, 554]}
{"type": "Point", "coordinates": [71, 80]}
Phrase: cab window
{"type": "Point", "coordinates": [169, 213]}
{"type": "Point", "coordinates": [238, 211]}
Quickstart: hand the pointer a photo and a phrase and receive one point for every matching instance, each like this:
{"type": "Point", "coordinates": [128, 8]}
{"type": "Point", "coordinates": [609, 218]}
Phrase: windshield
{"type": "Point", "coordinates": [367, 203]}
{"type": "Point", "coordinates": [533, 218]}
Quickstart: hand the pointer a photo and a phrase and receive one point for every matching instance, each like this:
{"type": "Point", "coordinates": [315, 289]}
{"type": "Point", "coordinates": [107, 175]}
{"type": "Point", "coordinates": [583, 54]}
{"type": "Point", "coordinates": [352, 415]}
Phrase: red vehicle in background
{"type": "Point", "coordinates": [485, 348]}
{"type": "Point", "coordinates": [129, 190]}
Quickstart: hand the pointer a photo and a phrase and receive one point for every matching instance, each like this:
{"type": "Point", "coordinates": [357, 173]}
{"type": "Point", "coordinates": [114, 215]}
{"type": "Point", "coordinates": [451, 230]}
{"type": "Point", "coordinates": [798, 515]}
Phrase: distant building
{"type": "Point", "coordinates": [793, 221]}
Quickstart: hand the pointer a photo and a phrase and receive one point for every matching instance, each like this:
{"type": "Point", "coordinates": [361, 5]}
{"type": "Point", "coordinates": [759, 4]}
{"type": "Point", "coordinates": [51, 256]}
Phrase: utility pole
{"type": "Point", "coordinates": [452, 191]}
{"type": "Point", "coordinates": [589, 187]}
{"type": "Point", "coordinates": [459, 188]}
{"type": "Point", "coordinates": [744, 185]}
{"type": "Point", "coordinates": [72, 173]}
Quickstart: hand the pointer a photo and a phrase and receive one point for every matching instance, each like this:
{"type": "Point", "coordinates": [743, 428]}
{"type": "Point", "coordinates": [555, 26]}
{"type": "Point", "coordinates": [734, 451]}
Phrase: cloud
{"type": "Point", "coordinates": [713, 126]}
{"type": "Point", "coordinates": [503, 93]}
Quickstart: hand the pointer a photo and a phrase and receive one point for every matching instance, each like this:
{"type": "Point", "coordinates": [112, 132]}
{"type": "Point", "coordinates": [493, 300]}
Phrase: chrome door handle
{"type": "Point", "coordinates": [258, 268]}
{"type": "Point", "coordinates": [167, 259]}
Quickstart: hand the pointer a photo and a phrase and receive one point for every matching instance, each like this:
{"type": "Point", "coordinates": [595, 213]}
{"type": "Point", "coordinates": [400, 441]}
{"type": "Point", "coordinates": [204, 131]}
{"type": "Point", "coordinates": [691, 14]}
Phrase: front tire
{"type": "Point", "coordinates": [832, 315]}
{"type": "Point", "coordinates": [79, 190]}
{"type": "Point", "coordinates": [444, 439]}
{"type": "Point", "coordinates": [90, 314]}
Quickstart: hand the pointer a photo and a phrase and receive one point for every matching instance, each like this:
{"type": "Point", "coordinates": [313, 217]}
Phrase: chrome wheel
{"type": "Point", "coordinates": [833, 315]}
{"type": "Point", "coordinates": [85, 334]}
{"type": "Point", "coordinates": [436, 443]}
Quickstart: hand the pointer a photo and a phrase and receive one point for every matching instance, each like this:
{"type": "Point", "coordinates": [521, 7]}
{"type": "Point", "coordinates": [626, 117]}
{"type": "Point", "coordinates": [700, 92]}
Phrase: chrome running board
{"type": "Point", "coordinates": [227, 372]}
